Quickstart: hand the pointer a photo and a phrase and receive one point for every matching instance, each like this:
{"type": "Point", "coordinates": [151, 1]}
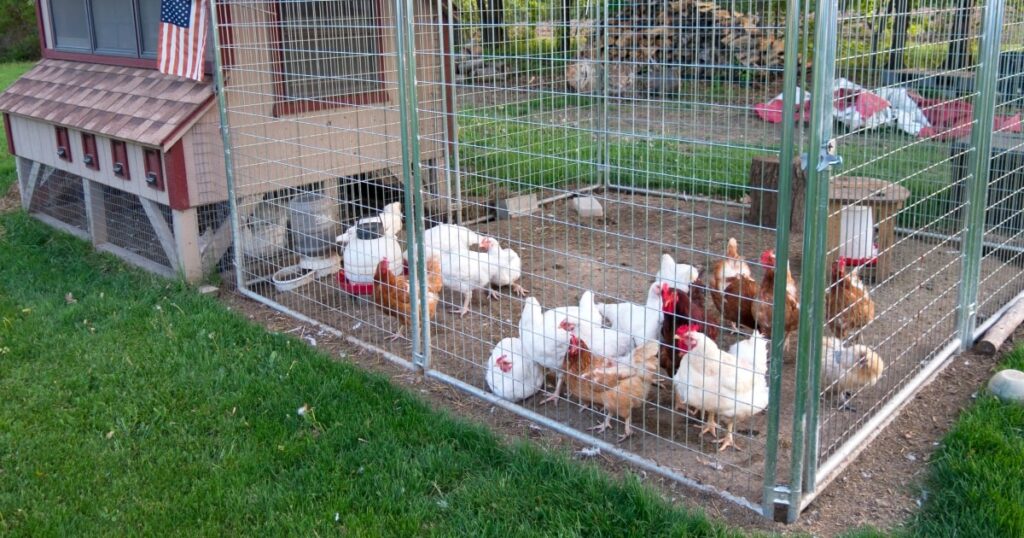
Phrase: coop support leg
{"type": "Point", "coordinates": [28, 185]}
{"type": "Point", "coordinates": [979, 163]}
{"type": "Point", "coordinates": [163, 232]}
{"type": "Point", "coordinates": [95, 211]}
{"type": "Point", "coordinates": [187, 243]}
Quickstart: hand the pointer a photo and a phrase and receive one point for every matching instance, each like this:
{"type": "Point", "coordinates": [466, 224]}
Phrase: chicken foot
{"type": "Point", "coordinates": [727, 441]}
{"type": "Point", "coordinates": [400, 333]}
{"type": "Point", "coordinates": [519, 290]}
{"type": "Point", "coordinates": [467, 297]}
{"type": "Point", "coordinates": [554, 396]}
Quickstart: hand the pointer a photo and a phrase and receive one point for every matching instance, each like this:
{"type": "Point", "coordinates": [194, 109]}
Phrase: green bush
{"type": "Point", "coordinates": [19, 32]}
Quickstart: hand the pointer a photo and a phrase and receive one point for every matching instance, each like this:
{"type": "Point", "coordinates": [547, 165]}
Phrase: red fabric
{"type": "Point", "coordinates": [771, 111]}
{"type": "Point", "coordinates": [868, 104]}
{"type": "Point", "coordinates": [952, 119]}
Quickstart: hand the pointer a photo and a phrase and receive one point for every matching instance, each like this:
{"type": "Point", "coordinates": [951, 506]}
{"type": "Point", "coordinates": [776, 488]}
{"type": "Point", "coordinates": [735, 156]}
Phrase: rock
{"type": "Point", "coordinates": [517, 206]}
{"type": "Point", "coordinates": [1008, 385]}
{"type": "Point", "coordinates": [207, 289]}
{"type": "Point", "coordinates": [586, 206]}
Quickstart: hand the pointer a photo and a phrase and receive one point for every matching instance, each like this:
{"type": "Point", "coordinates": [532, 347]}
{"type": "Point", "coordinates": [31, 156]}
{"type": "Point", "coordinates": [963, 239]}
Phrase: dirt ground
{"type": "Point", "coordinates": [616, 256]}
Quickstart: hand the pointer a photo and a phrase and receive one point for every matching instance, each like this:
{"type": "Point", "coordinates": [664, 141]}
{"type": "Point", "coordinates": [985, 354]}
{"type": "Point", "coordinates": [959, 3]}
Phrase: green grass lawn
{"type": "Point", "coordinates": [976, 482]}
{"type": "Point", "coordinates": [145, 408]}
{"type": "Point", "coordinates": [523, 145]}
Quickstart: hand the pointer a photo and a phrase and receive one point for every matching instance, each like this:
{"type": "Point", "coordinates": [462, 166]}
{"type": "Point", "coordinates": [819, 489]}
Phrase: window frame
{"type": "Point", "coordinates": [285, 105]}
{"type": "Point", "coordinates": [47, 39]}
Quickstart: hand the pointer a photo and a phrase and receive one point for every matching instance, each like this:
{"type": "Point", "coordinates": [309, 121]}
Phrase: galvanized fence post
{"type": "Point", "coordinates": [979, 165]}
{"type": "Point", "coordinates": [775, 497]}
{"type": "Point", "coordinates": [405, 63]}
{"type": "Point", "coordinates": [225, 136]}
{"type": "Point", "coordinates": [812, 289]}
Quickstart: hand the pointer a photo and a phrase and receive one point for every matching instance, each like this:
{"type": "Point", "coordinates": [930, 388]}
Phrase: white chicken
{"type": "Point", "coordinates": [468, 270]}
{"type": "Point", "coordinates": [676, 275]}
{"type": "Point", "coordinates": [845, 370]}
{"type": "Point", "coordinates": [450, 238]}
{"type": "Point", "coordinates": [510, 375]}
{"type": "Point", "coordinates": [753, 351]}
{"type": "Point", "coordinates": [390, 219]}
{"type": "Point", "coordinates": [717, 383]}
{"type": "Point", "coordinates": [606, 342]}
{"type": "Point", "coordinates": [507, 269]}
{"type": "Point", "coordinates": [641, 321]}
{"type": "Point", "coordinates": [545, 337]}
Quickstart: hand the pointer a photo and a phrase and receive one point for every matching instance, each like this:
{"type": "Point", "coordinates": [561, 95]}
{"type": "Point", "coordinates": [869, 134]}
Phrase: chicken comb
{"type": "Point", "coordinates": [690, 328]}
{"type": "Point", "coordinates": [768, 258]}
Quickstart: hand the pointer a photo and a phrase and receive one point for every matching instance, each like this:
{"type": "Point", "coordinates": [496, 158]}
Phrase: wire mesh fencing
{"type": "Point", "coordinates": [582, 210]}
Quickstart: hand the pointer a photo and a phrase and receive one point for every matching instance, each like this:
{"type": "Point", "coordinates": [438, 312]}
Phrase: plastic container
{"type": "Point", "coordinates": [364, 253]}
{"type": "Point", "coordinates": [857, 234]}
{"type": "Point", "coordinates": [313, 228]}
{"type": "Point", "coordinates": [265, 231]}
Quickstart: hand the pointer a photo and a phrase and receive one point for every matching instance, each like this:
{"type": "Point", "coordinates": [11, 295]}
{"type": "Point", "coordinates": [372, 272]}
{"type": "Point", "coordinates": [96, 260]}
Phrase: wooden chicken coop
{"type": "Point", "coordinates": [113, 151]}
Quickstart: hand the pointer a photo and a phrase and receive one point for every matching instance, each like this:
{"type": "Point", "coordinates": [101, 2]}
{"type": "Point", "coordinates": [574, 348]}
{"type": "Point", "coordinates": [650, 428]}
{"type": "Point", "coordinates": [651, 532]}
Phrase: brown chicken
{"type": "Point", "coordinates": [762, 308]}
{"type": "Point", "coordinates": [391, 292]}
{"type": "Point", "coordinates": [847, 303]}
{"type": "Point", "coordinates": [618, 385]}
{"type": "Point", "coordinates": [683, 309]}
{"type": "Point", "coordinates": [723, 271]}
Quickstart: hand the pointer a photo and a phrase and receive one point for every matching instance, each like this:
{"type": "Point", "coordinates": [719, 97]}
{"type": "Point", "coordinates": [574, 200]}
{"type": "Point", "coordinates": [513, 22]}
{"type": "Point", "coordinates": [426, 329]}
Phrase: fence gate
{"type": "Point", "coordinates": [509, 158]}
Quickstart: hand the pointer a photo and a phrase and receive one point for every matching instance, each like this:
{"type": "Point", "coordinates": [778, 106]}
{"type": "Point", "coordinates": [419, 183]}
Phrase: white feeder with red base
{"type": "Point", "coordinates": [857, 235]}
{"type": "Point", "coordinates": [362, 255]}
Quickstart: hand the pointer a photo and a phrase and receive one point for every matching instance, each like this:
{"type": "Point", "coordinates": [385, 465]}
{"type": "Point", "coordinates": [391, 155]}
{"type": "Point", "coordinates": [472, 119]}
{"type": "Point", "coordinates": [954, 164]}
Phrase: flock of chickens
{"type": "Point", "coordinates": [611, 355]}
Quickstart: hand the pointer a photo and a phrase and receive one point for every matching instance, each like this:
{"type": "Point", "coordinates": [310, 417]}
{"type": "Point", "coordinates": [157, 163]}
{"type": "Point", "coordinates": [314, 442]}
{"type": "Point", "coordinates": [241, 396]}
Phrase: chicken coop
{"type": "Point", "coordinates": [581, 211]}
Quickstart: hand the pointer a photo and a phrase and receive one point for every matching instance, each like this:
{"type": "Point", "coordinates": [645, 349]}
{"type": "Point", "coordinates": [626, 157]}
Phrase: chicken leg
{"type": "Point", "coordinates": [710, 426]}
{"type": "Point", "coordinates": [727, 441]}
{"type": "Point", "coordinates": [519, 290]}
{"type": "Point", "coordinates": [467, 297]}
{"type": "Point", "coordinates": [554, 396]}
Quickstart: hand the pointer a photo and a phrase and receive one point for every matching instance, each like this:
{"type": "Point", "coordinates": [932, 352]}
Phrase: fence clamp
{"type": "Point", "coordinates": [827, 157]}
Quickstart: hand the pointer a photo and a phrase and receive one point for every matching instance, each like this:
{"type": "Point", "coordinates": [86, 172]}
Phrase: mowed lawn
{"type": "Point", "coordinates": [136, 405]}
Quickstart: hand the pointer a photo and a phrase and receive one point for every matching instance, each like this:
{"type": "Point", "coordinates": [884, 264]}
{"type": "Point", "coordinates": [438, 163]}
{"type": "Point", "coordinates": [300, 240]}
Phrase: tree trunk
{"type": "Point", "coordinates": [492, 17]}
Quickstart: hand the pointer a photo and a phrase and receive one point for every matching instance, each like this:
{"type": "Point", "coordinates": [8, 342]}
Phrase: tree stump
{"type": "Point", "coordinates": [764, 193]}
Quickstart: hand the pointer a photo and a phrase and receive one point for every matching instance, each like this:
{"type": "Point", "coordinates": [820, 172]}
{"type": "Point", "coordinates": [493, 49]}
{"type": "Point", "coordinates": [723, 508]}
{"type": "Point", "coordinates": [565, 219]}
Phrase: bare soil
{"type": "Point", "coordinates": [616, 256]}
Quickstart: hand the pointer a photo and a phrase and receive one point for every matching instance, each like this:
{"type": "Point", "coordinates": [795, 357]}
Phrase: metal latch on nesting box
{"type": "Point", "coordinates": [827, 157]}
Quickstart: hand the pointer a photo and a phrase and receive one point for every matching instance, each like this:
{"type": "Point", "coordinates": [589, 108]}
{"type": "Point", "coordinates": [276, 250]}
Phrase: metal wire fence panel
{"type": "Point", "coordinates": [312, 101]}
{"type": "Point", "coordinates": [1003, 247]}
{"type": "Point", "coordinates": [592, 141]}
{"type": "Point", "coordinates": [583, 207]}
{"type": "Point", "coordinates": [906, 104]}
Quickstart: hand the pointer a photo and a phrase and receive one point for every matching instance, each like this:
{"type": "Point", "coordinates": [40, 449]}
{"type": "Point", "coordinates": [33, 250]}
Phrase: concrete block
{"type": "Point", "coordinates": [1008, 385]}
{"type": "Point", "coordinates": [517, 206]}
{"type": "Point", "coordinates": [586, 206]}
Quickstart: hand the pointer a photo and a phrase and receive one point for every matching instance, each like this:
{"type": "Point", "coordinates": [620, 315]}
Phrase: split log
{"type": "Point", "coordinates": [1001, 330]}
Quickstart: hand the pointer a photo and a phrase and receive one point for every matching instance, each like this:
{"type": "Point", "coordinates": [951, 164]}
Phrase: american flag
{"type": "Point", "coordinates": [182, 44]}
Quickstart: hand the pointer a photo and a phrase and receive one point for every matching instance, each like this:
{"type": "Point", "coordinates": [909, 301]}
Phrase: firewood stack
{"type": "Point", "coordinates": [695, 35]}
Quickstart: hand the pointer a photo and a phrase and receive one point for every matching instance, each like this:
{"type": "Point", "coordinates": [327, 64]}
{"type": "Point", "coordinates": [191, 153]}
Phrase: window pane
{"type": "Point", "coordinates": [70, 24]}
{"type": "Point", "coordinates": [331, 48]}
{"type": "Point", "coordinates": [114, 24]}
{"type": "Point", "coordinates": [149, 15]}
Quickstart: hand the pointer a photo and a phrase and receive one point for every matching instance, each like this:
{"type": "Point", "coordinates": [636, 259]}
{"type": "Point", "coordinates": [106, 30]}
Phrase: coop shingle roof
{"type": "Point", "coordinates": [138, 105]}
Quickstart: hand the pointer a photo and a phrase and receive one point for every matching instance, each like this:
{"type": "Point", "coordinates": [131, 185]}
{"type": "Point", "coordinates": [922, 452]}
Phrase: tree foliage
{"type": "Point", "coordinates": [19, 34]}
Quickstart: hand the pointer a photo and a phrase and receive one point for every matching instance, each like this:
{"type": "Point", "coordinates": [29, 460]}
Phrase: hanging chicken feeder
{"type": "Point", "coordinates": [857, 235]}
